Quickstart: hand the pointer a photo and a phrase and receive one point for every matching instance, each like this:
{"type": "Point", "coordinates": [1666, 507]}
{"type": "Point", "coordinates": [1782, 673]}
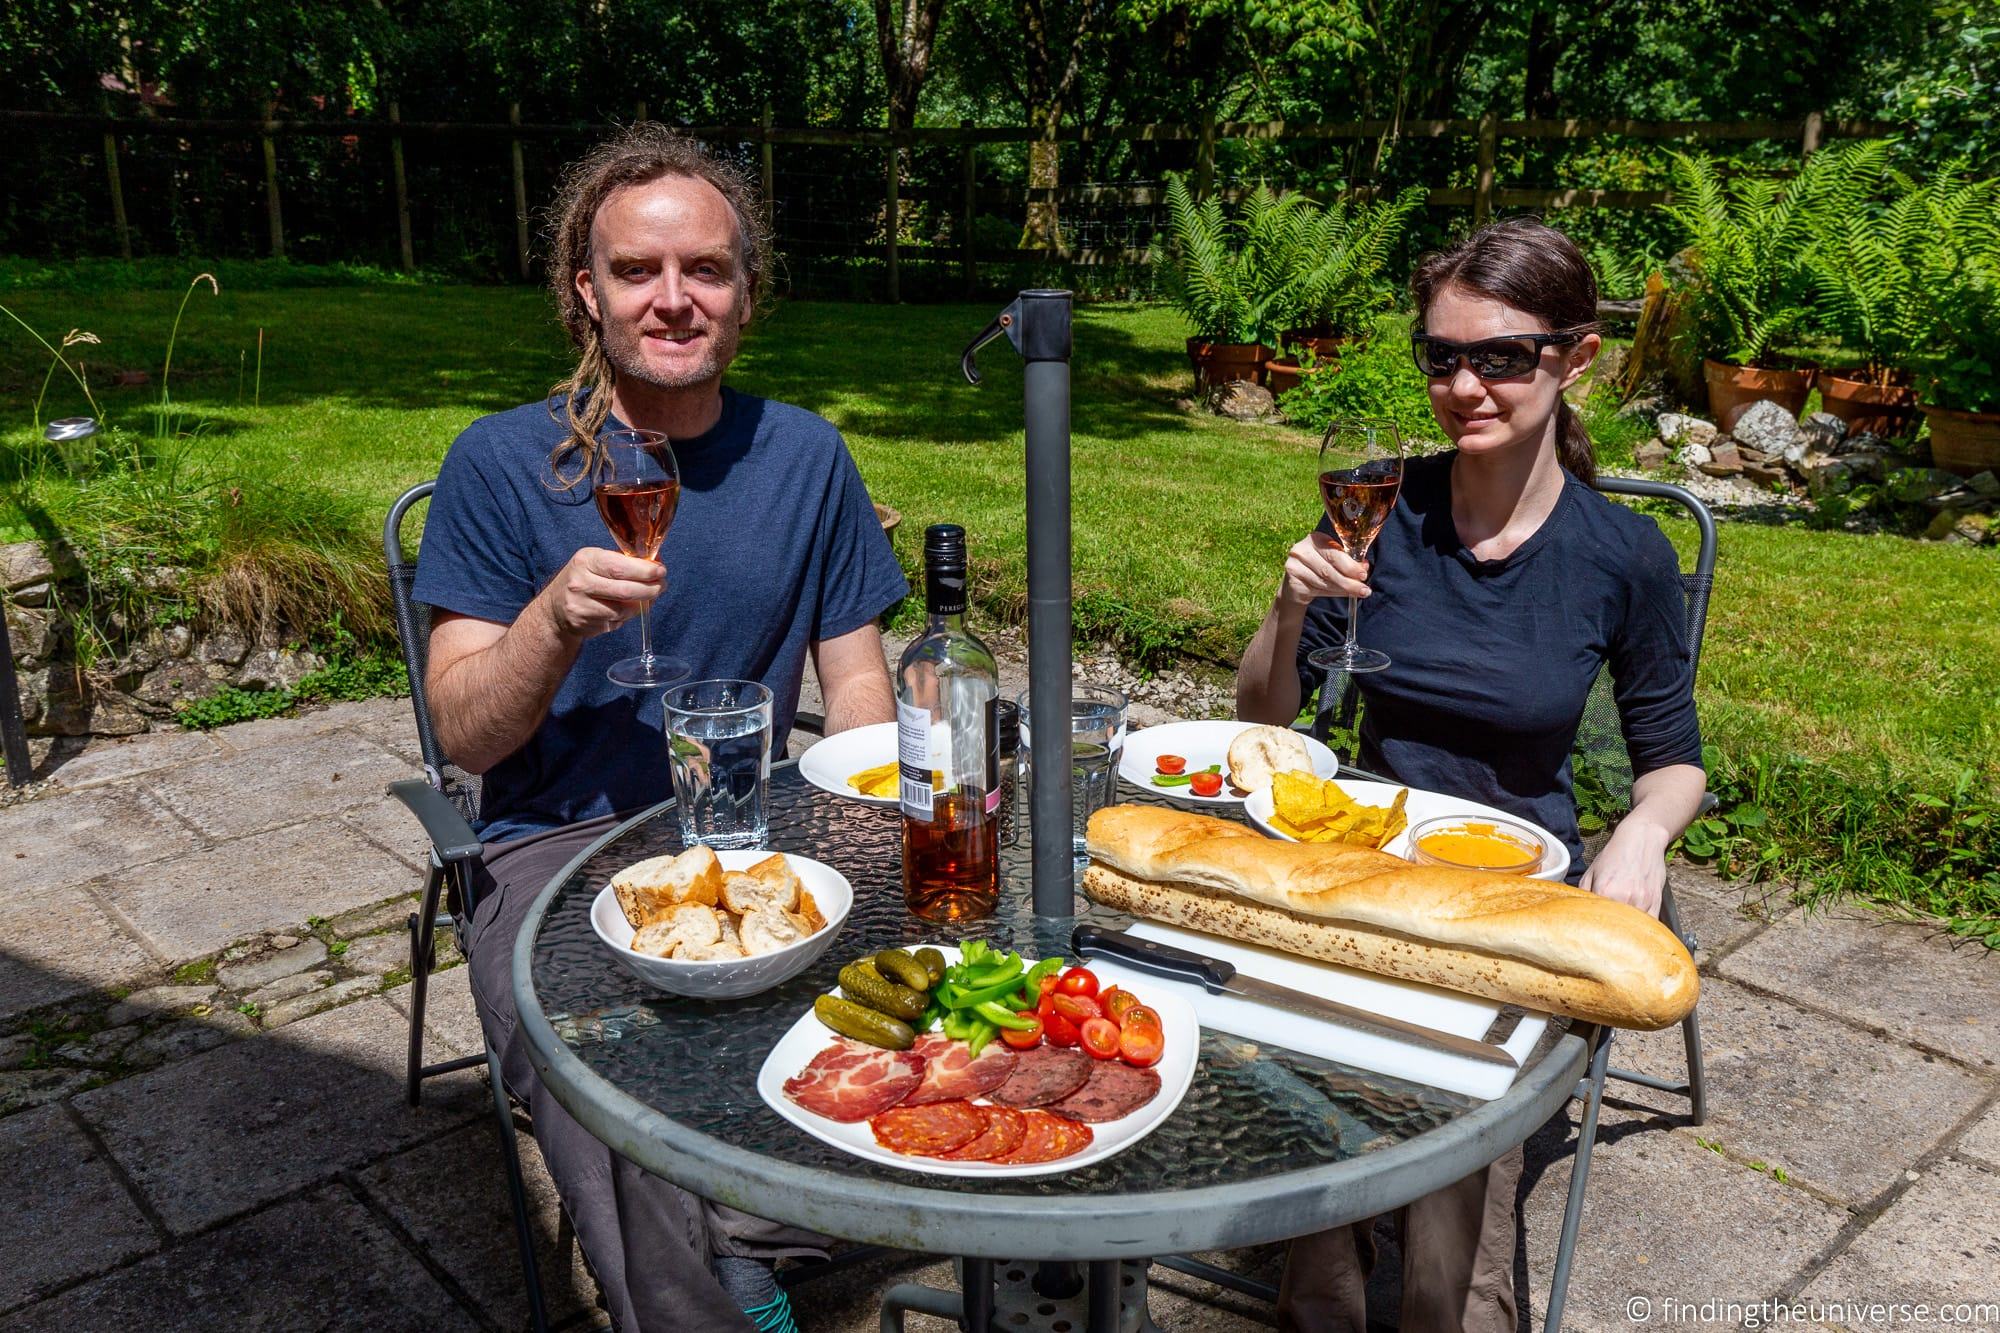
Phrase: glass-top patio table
{"type": "Point", "coordinates": [1268, 1143]}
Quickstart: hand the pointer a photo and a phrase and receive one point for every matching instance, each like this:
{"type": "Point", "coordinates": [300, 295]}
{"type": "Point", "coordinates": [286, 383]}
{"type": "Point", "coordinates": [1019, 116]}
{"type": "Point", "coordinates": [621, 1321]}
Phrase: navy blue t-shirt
{"type": "Point", "coordinates": [1491, 660]}
{"type": "Point", "coordinates": [774, 547]}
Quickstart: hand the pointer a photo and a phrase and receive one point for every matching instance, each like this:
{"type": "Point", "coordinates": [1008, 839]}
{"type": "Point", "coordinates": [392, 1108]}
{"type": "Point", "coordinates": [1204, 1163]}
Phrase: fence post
{"type": "Point", "coordinates": [117, 187]}
{"type": "Point", "coordinates": [1204, 155]}
{"type": "Point", "coordinates": [520, 193]}
{"type": "Point", "coordinates": [769, 164]}
{"type": "Point", "coordinates": [404, 249]}
{"type": "Point", "coordinates": [640, 108]}
{"type": "Point", "coordinates": [272, 206]}
{"type": "Point", "coordinates": [890, 201]}
{"type": "Point", "coordinates": [1489, 151]}
{"type": "Point", "coordinates": [1809, 140]}
{"type": "Point", "coordinates": [968, 169]}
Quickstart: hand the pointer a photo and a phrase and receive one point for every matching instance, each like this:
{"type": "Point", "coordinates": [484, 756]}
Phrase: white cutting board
{"type": "Point", "coordinates": [1447, 1011]}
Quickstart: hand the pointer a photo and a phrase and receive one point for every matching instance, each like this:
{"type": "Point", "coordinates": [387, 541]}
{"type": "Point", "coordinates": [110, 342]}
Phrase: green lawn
{"type": "Point", "coordinates": [1864, 655]}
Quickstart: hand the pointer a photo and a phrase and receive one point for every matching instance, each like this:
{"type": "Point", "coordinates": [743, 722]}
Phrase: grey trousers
{"type": "Point", "coordinates": [648, 1241]}
{"type": "Point", "coordinates": [1458, 1263]}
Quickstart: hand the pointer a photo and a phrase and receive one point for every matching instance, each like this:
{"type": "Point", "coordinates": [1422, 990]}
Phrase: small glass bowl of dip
{"type": "Point", "coordinates": [1478, 842]}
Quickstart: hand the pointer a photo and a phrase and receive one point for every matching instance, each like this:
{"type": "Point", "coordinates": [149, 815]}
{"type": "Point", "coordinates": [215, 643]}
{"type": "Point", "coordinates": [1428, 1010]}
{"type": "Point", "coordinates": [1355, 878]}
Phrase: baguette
{"type": "Point", "coordinates": [1505, 937]}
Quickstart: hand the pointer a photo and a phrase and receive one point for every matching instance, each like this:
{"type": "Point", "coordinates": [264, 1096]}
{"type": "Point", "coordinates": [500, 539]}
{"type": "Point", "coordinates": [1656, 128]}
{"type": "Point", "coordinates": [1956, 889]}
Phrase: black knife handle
{"type": "Point", "coordinates": [1162, 960]}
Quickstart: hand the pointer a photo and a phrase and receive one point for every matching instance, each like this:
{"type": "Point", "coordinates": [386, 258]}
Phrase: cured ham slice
{"type": "Point", "coordinates": [952, 1073]}
{"type": "Point", "coordinates": [851, 1081]}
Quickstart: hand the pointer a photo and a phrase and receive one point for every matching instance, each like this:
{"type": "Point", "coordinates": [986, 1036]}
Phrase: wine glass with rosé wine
{"type": "Point", "coordinates": [1360, 472]}
{"type": "Point", "coordinates": [638, 489]}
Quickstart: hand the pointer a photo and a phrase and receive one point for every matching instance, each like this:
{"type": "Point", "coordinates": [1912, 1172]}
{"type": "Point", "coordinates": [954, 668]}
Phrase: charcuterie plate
{"type": "Point", "coordinates": [809, 1038]}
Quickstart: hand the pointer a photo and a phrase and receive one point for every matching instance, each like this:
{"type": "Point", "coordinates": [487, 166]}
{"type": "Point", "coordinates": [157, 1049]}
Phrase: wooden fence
{"type": "Point", "coordinates": [1485, 194]}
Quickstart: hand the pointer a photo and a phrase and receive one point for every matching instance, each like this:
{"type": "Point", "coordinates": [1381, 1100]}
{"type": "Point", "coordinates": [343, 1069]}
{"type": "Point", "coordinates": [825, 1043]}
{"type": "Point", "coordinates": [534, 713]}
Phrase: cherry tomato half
{"type": "Point", "coordinates": [1024, 1038]}
{"type": "Point", "coordinates": [1171, 764]}
{"type": "Point", "coordinates": [1101, 1039]}
{"type": "Point", "coordinates": [1078, 981]}
{"type": "Point", "coordinates": [1205, 784]}
{"type": "Point", "coordinates": [1078, 1009]}
{"type": "Point", "coordinates": [1115, 1003]}
{"type": "Point", "coordinates": [1140, 1045]}
{"type": "Point", "coordinates": [1139, 1016]}
{"type": "Point", "coordinates": [1059, 1031]}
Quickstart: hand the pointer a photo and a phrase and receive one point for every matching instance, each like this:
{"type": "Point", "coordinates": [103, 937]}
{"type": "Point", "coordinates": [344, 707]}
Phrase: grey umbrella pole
{"type": "Point", "coordinates": [1038, 324]}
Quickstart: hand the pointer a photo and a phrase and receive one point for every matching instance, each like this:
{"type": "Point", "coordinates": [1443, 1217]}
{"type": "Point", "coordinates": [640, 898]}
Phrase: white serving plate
{"type": "Point", "coordinates": [731, 978]}
{"type": "Point", "coordinates": [1201, 744]}
{"type": "Point", "coordinates": [1420, 806]}
{"type": "Point", "coordinates": [808, 1037]}
{"type": "Point", "coordinates": [830, 762]}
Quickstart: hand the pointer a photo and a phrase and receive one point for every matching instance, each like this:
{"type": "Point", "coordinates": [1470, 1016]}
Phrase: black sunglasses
{"type": "Point", "coordinates": [1490, 358]}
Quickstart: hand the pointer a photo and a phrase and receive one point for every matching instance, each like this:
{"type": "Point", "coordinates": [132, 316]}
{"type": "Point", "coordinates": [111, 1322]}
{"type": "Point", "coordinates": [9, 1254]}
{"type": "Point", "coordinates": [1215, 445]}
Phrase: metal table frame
{"type": "Point", "coordinates": [941, 1219]}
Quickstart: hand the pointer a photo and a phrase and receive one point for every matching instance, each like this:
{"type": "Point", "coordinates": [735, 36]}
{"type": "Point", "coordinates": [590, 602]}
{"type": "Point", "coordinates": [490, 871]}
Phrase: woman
{"type": "Point", "coordinates": [1498, 587]}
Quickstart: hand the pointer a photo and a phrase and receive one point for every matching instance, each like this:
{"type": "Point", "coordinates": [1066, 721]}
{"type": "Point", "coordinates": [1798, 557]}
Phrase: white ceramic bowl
{"type": "Point", "coordinates": [1421, 807]}
{"type": "Point", "coordinates": [731, 978]}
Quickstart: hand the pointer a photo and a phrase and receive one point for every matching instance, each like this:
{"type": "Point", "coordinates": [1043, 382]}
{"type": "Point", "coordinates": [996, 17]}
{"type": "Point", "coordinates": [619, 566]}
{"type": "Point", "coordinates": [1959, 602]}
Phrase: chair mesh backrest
{"type": "Point", "coordinates": [413, 629]}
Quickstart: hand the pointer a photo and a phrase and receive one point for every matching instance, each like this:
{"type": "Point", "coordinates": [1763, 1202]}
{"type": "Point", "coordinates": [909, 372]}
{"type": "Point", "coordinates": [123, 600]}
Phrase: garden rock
{"type": "Point", "coordinates": [102, 1049]}
{"type": "Point", "coordinates": [35, 1087]}
{"type": "Point", "coordinates": [1986, 485]}
{"type": "Point", "coordinates": [378, 955]}
{"type": "Point", "coordinates": [277, 669]}
{"type": "Point", "coordinates": [263, 971]}
{"type": "Point", "coordinates": [1833, 476]}
{"type": "Point", "coordinates": [158, 1000]}
{"type": "Point", "coordinates": [1823, 431]}
{"type": "Point", "coordinates": [24, 564]}
{"type": "Point", "coordinates": [173, 683]}
{"type": "Point", "coordinates": [1765, 474]}
{"type": "Point", "coordinates": [52, 704]}
{"type": "Point", "coordinates": [304, 1006]}
{"type": "Point", "coordinates": [112, 714]}
{"type": "Point", "coordinates": [1724, 461]}
{"type": "Point", "coordinates": [222, 649]}
{"type": "Point", "coordinates": [35, 594]}
{"type": "Point", "coordinates": [178, 640]}
{"type": "Point", "coordinates": [34, 635]}
{"type": "Point", "coordinates": [1920, 485]}
{"type": "Point", "coordinates": [1694, 455]}
{"type": "Point", "coordinates": [1651, 456]}
{"type": "Point", "coordinates": [1765, 425]}
{"type": "Point", "coordinates": [1242, 401]}
{"type": "Point", "coordinates": [1859, 442]}
{"type": "Point", "coordinates": [1677, 430]}
{"type": "Point", "coordinates": [1646, 407]}
{"type": "Point", "coordinates": [284, 988]}
{"type": "Point", "coordinates": [15, 1050]}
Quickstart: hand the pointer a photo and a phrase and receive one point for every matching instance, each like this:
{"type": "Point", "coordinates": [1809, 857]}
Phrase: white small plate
{"type": "Point", "coordinates": [808, 1037]}
{"type": "Point", "coordinates": [1420, 806]}
{"type": "Point", "coordinates": [1201, 744]}
{"type": "Point", "coordinates": [830, 762]}
{"type": "Point", "coordinates": [731, 978]}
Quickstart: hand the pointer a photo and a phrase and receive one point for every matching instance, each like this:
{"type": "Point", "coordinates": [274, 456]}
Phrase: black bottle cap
{"type": "Point", "coordinates": [944, 544]}
{"type": "Point", "coordinates": [944, 569]}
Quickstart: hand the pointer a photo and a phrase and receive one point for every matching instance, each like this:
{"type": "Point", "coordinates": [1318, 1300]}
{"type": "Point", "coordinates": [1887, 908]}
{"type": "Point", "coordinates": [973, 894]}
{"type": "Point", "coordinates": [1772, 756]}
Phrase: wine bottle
{"type": "Point", "coordinates": [947, 734]}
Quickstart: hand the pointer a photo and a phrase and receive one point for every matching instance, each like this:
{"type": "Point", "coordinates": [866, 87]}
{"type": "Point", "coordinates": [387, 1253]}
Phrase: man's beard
{"type": "Point", "coordinates": [629, 360]}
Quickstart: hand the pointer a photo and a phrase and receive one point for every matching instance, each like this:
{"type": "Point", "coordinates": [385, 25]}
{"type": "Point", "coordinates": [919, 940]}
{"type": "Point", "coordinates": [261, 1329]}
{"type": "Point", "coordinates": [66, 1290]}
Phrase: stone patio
{"type": "Point", "coordinates": [203, 1010]}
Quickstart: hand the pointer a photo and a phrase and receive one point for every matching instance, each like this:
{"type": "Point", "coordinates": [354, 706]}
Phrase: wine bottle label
{"type": "Point", "coordinates": [913, 757]}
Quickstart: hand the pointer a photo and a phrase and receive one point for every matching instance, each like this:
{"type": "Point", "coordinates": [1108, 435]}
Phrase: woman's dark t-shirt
{"type": "Point", "coordinates": [1491, 660]}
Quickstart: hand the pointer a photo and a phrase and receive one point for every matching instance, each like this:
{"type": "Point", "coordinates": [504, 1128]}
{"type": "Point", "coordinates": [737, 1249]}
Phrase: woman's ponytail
{"type": "Point", "coordinates": [1573, 447]}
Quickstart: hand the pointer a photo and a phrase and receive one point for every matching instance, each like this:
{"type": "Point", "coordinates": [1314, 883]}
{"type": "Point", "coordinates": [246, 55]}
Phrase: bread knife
{"type": "Point", "coordinates": [1220, 977]}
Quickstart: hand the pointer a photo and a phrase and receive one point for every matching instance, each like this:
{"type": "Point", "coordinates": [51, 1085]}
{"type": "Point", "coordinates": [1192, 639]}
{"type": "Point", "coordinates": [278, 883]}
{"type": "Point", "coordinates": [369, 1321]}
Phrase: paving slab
{"type": "Point", "coordinates": [309, 778]}
{"type": "Point", "coordinates": [60, 944]}
{"type": "Point", "coordinates": [63, 840]}
{"type": "Point", "coordinates": [1983, 1139]}
{"type": "Point", "coordinates": [261, 733]}
{"type": "Point", "coordinates": [66, 1197]}
{"type": "Point", "coordinates": [389, 822]}
{"type": "Point", "coordinates": [301, 956]}
{"type": "Point", "coordinates": [1837, 1107]}
{"type": "Point", "coordinates": [108, 759]}
{"type": "Point", "coordinates": [291, 1010]}
{"type": "Point", "coordinates": [448, 1012]}
{"type": "Point", "coordinates": [1938, 1243]}
{"type": "Point", "coordinates": [21, 1089]}
{"type": "Point", "coordinates": [236, 1127]}
{"type": "Point", "coordinates": [196, 904]}
{"type": "Point", "coordinates": [378, 955]}
{"type": "Point", "coordinates": [1907, 978]}
{"type": "Point", "coordinates": [393, 726]}
{"type": "Point", "coordinates": [156, 1000]}
{"type": "Point", "coordinates": [1662, 1217]}
{"type": "Point", "coordinates": [450, 1195]}
{"type": "Point", "coordinates": [318, 1262]}
{"type": "Point", "coordinates": [1719, 912]}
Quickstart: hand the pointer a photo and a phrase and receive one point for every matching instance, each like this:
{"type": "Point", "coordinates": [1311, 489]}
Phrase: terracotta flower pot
{"type": "Point", "coordinates": [1284, 373]}
{"type": "Point", "coordinates": [1325, 347]}
{"type": "Point", "coordinates": [1732, 388]}
{"type": "Point", "coordinates": [1886, 409]}
{"type": "Point", "coordinates": [1967, 443]}
{"type": "Point", "coordinates": [1225, 363]}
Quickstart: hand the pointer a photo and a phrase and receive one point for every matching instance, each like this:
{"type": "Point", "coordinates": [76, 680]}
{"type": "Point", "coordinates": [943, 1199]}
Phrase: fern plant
{"type": "Point", "coordinates": [1961, 367]}
{"type": "Point", "coordinates": [1340, 251]}
{"type": "Point", "coordinates": [1228, 276]}
{"type": "Point", "coordinates": [1750, 240]}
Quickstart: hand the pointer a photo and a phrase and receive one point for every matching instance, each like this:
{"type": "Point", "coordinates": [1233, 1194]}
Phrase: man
{"type": "Point", "coordinates": [660, 254]}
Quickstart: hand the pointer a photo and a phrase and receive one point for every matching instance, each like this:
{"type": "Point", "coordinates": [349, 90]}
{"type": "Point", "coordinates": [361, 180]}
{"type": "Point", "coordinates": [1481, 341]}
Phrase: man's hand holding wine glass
{"type": "Point", "coordinates": [599, 590]}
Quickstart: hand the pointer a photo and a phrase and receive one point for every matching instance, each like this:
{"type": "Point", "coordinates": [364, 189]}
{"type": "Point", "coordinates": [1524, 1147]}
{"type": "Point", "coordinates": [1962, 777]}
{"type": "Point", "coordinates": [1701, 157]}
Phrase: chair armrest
{"type": "Point", "coordinates": [451, 837]}
{"type": "Point", "coordinates": [1710, 803]}
{"type": "Point", "coordinates": [812, 724]}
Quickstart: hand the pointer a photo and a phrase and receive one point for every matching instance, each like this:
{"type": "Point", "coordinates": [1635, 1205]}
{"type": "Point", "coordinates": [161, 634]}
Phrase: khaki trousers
{"type": "Point", "coordinates": [1458, 1263]}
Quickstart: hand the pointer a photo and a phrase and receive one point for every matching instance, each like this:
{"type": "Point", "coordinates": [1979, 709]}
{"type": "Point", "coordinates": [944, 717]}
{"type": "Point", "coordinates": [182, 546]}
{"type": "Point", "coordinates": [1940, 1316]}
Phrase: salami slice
{"type": "Point", "coordinates": [930, 1130]}
{"type": "Point", "coordinates": [1042, 1075]}
{"type": "Point", "coordinates": [952, 1072]}
{"type": "Point", "coordinates": [1114, 1089]}
{"type": "Point", "coordinates": [1049, 1138]}
{"type": "Point", "coordinates": [1005, 1128]}
{"type": "Point", "coordinates": [850, 1081]}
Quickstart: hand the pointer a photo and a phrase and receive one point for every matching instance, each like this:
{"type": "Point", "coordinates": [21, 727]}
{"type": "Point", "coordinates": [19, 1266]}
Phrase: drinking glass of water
{"type": "Point", "coordinates": [1097, 739]}
{"type": "Point", "coordinates": [719, 739]}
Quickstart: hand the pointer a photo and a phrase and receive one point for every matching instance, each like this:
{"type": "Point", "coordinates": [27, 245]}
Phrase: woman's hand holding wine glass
{"type": "Point", "coordinates": [1316, 567]}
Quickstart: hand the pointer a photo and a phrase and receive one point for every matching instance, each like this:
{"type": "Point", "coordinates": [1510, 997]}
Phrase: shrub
{"type": "Point", "coordinates": [1371, 379]}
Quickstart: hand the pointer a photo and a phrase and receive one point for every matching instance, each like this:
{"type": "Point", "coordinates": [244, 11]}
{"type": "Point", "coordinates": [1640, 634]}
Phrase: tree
{"type": "Point", "coordinates": [905, 40]}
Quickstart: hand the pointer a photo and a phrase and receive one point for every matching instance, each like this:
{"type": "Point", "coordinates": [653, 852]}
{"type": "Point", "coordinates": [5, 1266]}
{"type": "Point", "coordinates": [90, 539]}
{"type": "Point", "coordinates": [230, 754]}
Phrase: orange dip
{"type": "Point", "coordinates": [1479, 846]}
